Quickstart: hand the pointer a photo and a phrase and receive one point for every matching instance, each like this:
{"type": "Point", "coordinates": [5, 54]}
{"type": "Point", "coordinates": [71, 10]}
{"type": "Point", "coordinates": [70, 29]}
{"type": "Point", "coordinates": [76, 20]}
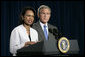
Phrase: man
{"type": "Point", "coordinates": [23, 35]}
{"type": "Point", "coordinates": [42, 26]}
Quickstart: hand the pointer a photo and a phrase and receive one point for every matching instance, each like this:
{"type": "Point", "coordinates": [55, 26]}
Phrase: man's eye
{"type": "Point", "coordinates": [48, 13]}
{"type": "Point", "coordinates": [42, 13]}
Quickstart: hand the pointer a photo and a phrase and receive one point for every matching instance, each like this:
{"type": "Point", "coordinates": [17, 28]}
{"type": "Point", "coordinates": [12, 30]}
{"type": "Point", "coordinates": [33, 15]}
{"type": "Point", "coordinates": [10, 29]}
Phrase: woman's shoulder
{"type": "Point", "coordinates": [32, 29]}
{"type": "Point", "coordinates": [17, 27]}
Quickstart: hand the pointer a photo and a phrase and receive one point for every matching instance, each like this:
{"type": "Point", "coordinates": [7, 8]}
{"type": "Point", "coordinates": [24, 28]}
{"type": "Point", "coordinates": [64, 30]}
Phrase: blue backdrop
{"type": "Point", "coordinates": [68, 16]}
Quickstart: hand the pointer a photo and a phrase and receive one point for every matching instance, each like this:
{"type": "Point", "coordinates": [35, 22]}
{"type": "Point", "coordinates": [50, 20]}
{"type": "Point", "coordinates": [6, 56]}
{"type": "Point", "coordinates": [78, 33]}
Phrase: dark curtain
{"type": "Point", "coordinates": [68, 16]}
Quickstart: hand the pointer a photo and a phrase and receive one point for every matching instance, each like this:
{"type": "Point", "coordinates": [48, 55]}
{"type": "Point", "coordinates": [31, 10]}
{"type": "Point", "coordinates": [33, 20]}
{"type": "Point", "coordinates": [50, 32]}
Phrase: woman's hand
{"type": "Point", "coordinates": [29, 43]}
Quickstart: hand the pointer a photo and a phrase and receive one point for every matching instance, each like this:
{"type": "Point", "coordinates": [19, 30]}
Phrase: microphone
{"type": "Point", "coordinates": [50, 30]}
{"type": "Point", "coordinates": [55, 32]}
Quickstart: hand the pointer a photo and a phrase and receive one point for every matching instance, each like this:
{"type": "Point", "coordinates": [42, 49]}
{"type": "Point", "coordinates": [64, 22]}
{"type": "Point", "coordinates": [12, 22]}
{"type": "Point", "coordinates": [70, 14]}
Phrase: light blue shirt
{"type": "Point", "coordinates": [43, 27]}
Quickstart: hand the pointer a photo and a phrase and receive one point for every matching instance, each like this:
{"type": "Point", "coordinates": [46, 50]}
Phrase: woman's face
{"type": "Point", "coordinates": [28, 17]}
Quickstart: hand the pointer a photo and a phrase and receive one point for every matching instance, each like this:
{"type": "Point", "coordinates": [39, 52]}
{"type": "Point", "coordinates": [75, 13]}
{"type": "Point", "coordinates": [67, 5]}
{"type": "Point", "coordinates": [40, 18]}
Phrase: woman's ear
{"type": "Point", "coordinates": [22, 17]}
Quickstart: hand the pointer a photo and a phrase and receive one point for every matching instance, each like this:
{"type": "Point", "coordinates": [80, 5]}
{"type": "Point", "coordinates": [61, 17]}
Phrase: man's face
{"type": "Point", "coordinates": [44, 15]}
{"type": "Point", "coordinates": [28, 17]}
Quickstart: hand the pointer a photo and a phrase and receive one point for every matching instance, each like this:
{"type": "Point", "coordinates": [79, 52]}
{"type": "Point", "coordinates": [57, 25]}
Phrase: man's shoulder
{"type": "Point", "coordinates": [51, 26]}
{"type": "Point", "coordinates": [35, 24]}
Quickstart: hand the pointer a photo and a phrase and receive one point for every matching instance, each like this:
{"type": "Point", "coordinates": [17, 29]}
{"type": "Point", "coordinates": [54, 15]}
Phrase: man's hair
{"type": "Point", "coordinates": [43, 7]}
{"type": "Point", "coordinates": [21, 21]}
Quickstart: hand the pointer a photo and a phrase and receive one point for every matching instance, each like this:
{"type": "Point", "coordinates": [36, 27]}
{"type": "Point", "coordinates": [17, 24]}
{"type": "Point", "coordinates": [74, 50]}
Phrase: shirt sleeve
{"type": "Point", "coordinates": [37, 36]}
{"type": "Point", "coordinates": [15, 43]}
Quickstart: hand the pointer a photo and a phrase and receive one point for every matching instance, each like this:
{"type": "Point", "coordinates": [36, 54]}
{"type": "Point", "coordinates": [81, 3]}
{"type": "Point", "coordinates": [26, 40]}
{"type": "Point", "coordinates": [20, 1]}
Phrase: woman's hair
{"type": "Point", "coordinates": [21, 21]}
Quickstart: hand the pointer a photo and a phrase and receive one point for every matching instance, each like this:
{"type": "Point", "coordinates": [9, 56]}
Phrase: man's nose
{"type": "Point", "coordinates": [45, 15]}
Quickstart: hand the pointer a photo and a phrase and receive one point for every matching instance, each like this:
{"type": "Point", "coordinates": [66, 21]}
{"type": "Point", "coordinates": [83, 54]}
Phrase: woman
{"type": "Point", "coordinates": [23, 35]}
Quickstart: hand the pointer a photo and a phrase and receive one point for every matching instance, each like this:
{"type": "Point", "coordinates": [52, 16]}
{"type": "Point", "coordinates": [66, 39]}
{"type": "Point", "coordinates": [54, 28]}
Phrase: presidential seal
{"type": "Point", "coordinates": [63, 44]}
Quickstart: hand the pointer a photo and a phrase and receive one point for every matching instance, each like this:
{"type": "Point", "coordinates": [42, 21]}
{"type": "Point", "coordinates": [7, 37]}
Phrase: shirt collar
{"type": "Point", "coordinates": [43, 24]}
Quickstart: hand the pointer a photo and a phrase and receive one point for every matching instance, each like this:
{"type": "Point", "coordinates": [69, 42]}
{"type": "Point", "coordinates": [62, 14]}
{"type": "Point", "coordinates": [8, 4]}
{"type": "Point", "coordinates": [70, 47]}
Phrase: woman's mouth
{"type": "Point", "coordinates": [29, 21]}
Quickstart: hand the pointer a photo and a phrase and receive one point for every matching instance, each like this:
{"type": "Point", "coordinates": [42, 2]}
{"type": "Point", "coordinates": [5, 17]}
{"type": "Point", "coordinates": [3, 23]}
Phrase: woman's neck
{"type": "Point", "coordinates": [27, 28]}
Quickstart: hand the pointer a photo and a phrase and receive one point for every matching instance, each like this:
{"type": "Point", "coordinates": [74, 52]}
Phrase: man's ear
{"type": "Point", "coordinates": [38, 14]}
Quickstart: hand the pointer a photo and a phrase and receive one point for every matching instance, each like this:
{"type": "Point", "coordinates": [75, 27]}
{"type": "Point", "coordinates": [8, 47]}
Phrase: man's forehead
{"type": "Point", "coordinates": [45, 10]}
